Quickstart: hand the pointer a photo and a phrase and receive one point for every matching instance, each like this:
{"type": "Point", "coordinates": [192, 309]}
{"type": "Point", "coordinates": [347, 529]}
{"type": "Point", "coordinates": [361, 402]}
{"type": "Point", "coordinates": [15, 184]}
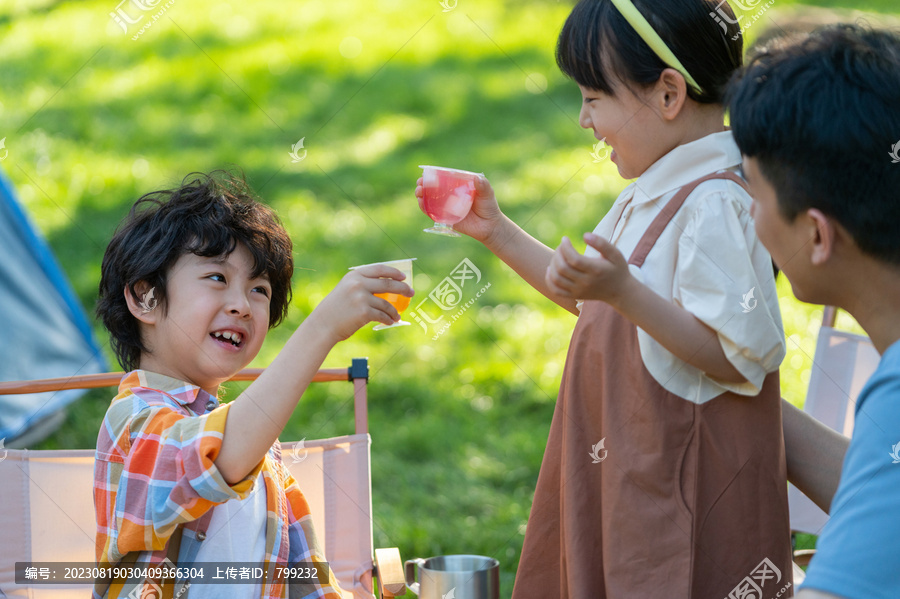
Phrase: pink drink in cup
{"type": "Point", "coordinates": [447, 198]}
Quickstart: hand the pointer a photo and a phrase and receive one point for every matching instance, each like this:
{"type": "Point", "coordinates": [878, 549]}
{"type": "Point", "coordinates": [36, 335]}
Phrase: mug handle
{"type": "Point", "coordinates": [410, 567]}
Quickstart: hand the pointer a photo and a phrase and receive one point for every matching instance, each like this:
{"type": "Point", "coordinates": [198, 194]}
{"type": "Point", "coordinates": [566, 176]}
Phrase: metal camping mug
{"type": "Point", "coordinates": [454, 577]}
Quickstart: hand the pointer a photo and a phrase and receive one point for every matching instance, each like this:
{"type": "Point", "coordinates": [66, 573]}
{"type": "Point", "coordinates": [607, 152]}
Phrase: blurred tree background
{"type": "Point", "coordinates": [97, 111]}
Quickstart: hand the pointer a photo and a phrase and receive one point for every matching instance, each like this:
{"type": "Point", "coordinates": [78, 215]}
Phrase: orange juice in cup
{"type": "Point", "coordinates": [447, 198]}
{"type": "Point", "coordinates": [400, 302]}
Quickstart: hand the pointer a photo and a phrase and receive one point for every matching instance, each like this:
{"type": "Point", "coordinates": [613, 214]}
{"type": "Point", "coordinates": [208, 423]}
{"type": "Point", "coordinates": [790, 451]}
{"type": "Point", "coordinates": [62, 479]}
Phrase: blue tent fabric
{"type": "Point", "coordinates": [47, 331]}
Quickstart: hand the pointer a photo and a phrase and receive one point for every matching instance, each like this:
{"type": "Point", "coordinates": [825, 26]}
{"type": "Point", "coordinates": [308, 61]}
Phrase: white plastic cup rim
{"type": "Point", "coordinates": [452, 170]}
{"type": "Point", "coordinates": [388, 263]}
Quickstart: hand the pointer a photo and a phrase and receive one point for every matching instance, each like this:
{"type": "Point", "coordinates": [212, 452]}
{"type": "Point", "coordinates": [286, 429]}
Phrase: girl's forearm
{"type": "Point", "coordinates": [527, 256]}
{"type": "Point", "coordinates": [675, 329]}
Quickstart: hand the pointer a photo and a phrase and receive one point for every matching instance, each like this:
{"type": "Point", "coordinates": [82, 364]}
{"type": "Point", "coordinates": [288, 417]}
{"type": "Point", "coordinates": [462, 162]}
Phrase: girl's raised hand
{"type": "Point", "coordinates": [573, 275]}
{"type": "Point", "coordinates": [482, 219]}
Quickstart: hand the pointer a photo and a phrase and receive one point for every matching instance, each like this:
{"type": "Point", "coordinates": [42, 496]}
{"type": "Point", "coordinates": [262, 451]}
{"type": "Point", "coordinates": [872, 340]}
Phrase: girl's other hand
{"type": "Point", "coordinates": [573, 275]}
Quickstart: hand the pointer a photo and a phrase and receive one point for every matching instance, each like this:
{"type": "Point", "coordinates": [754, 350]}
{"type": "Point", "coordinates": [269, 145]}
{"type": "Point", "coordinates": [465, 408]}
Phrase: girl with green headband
{"type": "Point", "coordinates": [664, 472]}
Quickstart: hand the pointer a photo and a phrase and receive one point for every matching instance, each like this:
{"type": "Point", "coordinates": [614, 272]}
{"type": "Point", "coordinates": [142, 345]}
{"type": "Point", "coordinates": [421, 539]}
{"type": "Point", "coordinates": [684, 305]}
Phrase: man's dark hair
{"type": "Point", "coordinates": [208, 215]}
{"type": "Point", "coordinates": [820, 116]}
{"type": "Point", "coordinates": [597, 44]}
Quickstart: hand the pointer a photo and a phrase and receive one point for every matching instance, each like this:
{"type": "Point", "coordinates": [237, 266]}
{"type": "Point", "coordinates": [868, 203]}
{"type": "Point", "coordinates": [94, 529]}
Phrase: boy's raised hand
{"type": "Point", "coordinates": [576, 276]}
{"type": "Point", "coordinates": [481, 220]}
{"type": "Point", "coordinates": [352, 303]}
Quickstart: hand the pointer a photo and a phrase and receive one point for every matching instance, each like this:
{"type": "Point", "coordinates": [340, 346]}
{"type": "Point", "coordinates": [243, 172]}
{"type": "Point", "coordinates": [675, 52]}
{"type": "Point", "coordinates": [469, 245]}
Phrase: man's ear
{"type": "Point", "coordinates": [144, 307]}
{"type": "Point", "coordinates": [825, 237]}
{"type": "Point", "coordinates": [672, 90]}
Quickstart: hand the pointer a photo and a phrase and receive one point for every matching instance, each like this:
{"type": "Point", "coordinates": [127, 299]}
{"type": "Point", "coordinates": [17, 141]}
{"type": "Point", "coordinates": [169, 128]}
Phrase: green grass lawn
{"type": "Point", "coordinates": [94, 118]}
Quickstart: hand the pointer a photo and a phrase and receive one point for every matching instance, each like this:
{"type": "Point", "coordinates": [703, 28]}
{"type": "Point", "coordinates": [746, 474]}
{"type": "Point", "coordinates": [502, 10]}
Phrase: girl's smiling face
{"type": "Point", "coordinates": [214, 321]}
{"type": "Point", "coordinates": [628, 124]}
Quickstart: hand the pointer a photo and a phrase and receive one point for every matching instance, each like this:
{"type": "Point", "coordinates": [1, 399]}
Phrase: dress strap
{"type": "Point", "coordinates": [665, 215]}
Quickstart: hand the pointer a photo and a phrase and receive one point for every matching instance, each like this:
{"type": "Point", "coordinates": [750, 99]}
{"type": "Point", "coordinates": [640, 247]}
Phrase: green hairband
{"type": "Point", "coordinates": [656, 43]}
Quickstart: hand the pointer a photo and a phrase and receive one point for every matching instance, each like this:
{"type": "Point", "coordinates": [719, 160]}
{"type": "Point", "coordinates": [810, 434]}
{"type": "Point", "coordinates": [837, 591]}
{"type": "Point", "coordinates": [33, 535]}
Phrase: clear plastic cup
{"type": "Point", "coordinates": [447, 198]}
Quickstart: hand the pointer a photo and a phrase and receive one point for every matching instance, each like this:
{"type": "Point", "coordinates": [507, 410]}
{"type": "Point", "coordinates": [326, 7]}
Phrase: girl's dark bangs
{"type": "Point", "coordinates": [581, 45]}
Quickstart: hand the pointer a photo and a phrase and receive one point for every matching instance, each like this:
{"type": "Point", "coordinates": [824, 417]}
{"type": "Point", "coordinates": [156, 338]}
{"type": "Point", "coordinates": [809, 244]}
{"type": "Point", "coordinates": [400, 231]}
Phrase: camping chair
{"type": "Point", "coordinates": [842, 364]}
{"type": "Point", "coordinates": [47, 511]}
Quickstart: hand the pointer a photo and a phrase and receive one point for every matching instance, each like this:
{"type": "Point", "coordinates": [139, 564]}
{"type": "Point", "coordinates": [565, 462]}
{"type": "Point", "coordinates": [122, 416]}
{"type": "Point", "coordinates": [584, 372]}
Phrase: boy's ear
{"type": "Point", "coordinates": [823, 241]}
{"type": "Point", "coordinates": [672, 90]}
{"type": "Point", "coordinates": [144, 307]}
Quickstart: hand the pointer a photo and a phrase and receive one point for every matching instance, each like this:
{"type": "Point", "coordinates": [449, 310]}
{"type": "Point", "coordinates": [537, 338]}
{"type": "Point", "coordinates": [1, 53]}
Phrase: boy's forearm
{"type": "Point", "coordinates": [527, 256]}
{"type": "Point", "coordinates": [260, 413]}
{"type": "Point", "coordinates": [676, 329]}
{"type": "Point", "coordinates": [815, 455]}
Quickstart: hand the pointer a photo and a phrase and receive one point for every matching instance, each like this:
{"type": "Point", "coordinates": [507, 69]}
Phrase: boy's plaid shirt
{"type": "Point", "coordinates": [155, 485]}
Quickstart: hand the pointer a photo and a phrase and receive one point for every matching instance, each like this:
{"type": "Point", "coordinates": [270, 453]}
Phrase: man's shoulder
{"type": "Point", "coordinates": [881, 393]}
{"type": "Point", "coordinates": [890, 360]}
{"type": "Point", "coordinates": [889, 366]}
{"type": "Point", "coordinates": [876, 428]}
{"type": "Point", "coordinates": [863, 517]}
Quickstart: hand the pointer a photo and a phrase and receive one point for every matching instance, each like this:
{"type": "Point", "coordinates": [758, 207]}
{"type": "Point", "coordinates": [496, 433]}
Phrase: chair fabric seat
{"type": "Point", "coordinates": [47, 511]}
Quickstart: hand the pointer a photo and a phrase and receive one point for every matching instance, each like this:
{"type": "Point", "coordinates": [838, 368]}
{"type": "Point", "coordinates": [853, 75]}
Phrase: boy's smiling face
{"type": "Point", "coordinates": [208, 301]}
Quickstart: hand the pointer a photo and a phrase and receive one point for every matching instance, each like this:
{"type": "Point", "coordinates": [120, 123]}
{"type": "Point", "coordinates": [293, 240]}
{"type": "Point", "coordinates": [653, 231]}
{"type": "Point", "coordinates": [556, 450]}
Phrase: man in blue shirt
{"type": "Point", "coordinates": [818, 123]}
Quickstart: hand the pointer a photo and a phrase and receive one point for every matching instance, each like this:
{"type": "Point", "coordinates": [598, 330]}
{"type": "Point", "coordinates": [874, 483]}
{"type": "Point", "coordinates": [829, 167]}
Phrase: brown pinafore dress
{"type": "Point", "coordinates": [683, 500]}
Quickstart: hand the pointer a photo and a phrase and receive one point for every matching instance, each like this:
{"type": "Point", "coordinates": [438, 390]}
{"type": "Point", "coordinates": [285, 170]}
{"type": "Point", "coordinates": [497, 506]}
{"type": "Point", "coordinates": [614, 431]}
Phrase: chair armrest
{"type": "Point", "coordinates": [802, 557]}
{"type": "Point", "coordinates": [389, 570]}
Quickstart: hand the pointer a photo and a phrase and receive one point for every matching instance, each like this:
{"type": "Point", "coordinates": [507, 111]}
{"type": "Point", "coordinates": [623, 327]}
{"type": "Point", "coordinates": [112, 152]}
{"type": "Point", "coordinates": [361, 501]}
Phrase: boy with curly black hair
{"type": "Point", "coordinates": [191, 283]}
